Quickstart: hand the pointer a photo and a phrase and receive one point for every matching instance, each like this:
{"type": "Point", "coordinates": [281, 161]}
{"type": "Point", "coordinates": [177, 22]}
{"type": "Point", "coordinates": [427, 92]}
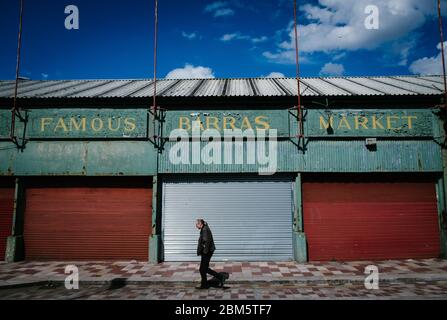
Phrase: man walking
{"type": "Point", "coordinates": [205, 249]}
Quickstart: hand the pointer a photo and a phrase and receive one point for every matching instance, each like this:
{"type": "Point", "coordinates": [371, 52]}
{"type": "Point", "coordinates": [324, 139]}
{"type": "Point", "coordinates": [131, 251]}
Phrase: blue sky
{"type": "Point", "coordinates": [232, 38]}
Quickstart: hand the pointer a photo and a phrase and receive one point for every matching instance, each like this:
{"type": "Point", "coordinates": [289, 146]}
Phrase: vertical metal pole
{"type": "Point", "coordinates": [300, 118]}
{"type": "Point", "coordinates": [441, 35]}
{"type": "Point", "coordinates": [155, 53]}
{"type": "Point", "coordinates": [441, 191]}
{"type": "Point", "coordinates": [19, 45]}
{"type": "Point", "coordinates": [154, 98]}
{"type": "Point", "coordinates": [14, 246]}
{"type": "Point", "coordinates": [298, 214]}
{"type": "Point", "coordinates": [154, 240]}
{"type": "Point", "coordinates": [440, 194]}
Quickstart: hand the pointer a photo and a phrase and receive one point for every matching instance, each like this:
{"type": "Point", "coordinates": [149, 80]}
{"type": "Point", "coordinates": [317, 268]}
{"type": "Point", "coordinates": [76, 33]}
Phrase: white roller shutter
{"type": "Point", "coordinates": [251, 220]}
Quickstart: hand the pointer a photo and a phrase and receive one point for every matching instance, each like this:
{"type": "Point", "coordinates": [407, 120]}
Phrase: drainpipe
{"type": "Point", "coordinates": [155, 238]}
{"type": "Point", "coordinates": [15, 246]}
{"type": "Point", "coordinates": [442, 187]}
{"type": "Point", "coordinates": [299, 236]}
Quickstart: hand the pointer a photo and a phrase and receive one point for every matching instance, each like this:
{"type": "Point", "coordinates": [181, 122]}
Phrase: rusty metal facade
{"type": "Point", "coordinates": [91, 130]}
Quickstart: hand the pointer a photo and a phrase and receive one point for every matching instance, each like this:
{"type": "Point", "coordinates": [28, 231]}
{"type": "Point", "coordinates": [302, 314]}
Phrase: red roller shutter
{"type": "Point", "coordinates": [6, 211]}
{"type": "Point", "coordinates": [85, 223]}
{"type": "Point", "coordinates": [366, 221]}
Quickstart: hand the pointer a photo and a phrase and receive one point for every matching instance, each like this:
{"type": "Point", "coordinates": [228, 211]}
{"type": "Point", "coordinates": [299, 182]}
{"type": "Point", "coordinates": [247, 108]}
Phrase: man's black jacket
{"type": "Point", "coordinates": [206, 242]}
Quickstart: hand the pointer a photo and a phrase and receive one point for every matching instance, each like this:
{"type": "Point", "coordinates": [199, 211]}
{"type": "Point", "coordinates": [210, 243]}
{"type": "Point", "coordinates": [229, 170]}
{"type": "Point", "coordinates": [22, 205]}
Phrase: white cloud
{"type": "Point", "coordinates": [233, 36]}
{"type": "Point", "coordinates": [44, 76]}
{"type": "Point", "coordinates": [215, 5]}
{"type": "Point", "coordinates": [429, 65]}
{"type": "Point", "coordinates": [238, 36]}
{"type": "Point", "coordinates": [259, 39]}
{"type": "Point", "coordinates": [189, 36]}
{"type": "Point", "coordinates": [228, 37]}
{"type": "Point", "coordinates": [332, 69]}
{"type": "Point", "coordinates": [189, 72]}
{"type": "Point", "coordinates": [339, 56]}
{"type": "Point", "coordinates": [275, 75]}
{"type": "Point", "coordinates": [284, 57]}
{"type": "Point", "coordinates": [338, 25]}
{"type": "Point", "coordinates": [403, 51]}
{"type": "Point", "coordinates": [219, 9]}
{"type": "Point", "coordinates": [224, 12]}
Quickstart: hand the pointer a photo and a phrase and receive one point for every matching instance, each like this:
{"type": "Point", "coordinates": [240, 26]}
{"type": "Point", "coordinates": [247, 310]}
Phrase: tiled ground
{"type": "Point", "coordinates": [23, 272]}
{"type": "Point", "coordinates": [254, 291]}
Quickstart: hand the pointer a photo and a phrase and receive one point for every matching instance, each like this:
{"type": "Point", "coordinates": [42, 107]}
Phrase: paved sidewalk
{"type": "Point", "coordinates": [433, 290]}
{"type": "Point", "coordinates": [21, 273]}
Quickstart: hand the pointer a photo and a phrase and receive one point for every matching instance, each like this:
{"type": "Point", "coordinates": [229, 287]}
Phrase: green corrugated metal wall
{"type": "Point", "coordinates": [109, 146]}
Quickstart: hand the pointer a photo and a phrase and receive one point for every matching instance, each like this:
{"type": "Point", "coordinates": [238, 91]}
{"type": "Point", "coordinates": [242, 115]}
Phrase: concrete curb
{"type": "Point", "coordinates": [333, 280]}
{"type": "Point", "coordinates": [23, 284]}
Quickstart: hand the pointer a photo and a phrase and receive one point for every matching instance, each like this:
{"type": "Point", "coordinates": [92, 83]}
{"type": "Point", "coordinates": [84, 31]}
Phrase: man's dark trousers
{"type": "Point", "coordinates": [205, 268]}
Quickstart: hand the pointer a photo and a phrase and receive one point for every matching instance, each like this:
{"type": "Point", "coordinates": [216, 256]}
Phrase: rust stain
{"type": "Point", "coordinates": [420, 167]}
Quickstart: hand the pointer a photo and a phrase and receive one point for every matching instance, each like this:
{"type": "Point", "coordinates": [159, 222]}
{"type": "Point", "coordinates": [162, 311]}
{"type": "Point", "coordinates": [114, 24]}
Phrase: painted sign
{"type": "Point", "coordinates": [133, 123]}
{"type": "Point", "coordinates": [373, 123]}
{"type": "Point", "coordinates": [87, 123]}
{"type": "Point", "coordinates": [318, 123]}
{"type": "Point", "coordinates": [227, 119]}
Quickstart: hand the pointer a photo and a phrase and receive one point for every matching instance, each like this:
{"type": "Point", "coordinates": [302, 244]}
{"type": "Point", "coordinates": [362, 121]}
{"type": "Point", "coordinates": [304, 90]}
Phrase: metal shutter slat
{"type": "Point", "coordinates": [250, 220]}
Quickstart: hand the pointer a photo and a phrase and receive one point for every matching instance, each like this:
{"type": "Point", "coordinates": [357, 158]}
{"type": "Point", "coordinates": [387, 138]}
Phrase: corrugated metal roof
{"type": "Point", "coordinates": [260, 87]}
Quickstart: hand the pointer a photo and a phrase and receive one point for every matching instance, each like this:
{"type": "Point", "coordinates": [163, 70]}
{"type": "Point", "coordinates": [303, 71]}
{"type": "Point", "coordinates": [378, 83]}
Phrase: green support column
{"type": "Point", "coordinates": [15, 249]}
{"type": "Point", "coordinates": [154, 239]}
{"type": "Point", "coordinates": [299, 237]}
{"type": "Point", "coordinates": [440, 192]}
{"type": "Point", "coordinates": [439, 133]}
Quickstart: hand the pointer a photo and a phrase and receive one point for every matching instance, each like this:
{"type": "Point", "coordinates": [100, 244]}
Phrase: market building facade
{"type": "Point", "coordinates": [96, 174]}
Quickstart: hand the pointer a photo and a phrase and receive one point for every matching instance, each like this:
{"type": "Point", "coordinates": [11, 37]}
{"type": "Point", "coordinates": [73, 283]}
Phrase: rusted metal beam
{"type": "Point", "coordinates": [19, 46]}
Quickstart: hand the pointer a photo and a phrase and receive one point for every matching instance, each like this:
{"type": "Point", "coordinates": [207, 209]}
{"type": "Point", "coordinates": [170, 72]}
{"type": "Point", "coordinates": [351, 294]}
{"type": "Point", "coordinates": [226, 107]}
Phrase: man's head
{"type": "Point", "coordinates": [200, 223]}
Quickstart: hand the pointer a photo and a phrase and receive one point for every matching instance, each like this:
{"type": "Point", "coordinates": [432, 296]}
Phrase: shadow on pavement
{"type": "Point", "coordinates": [117, 283]}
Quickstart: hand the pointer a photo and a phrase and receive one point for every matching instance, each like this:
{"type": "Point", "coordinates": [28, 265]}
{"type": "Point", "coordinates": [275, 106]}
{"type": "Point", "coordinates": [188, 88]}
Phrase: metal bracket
{"type": "Point", "coordinates": [157, 116]}
{"type": "Point", "coordinates": [20, 143]}
{"type": "Point", "coordinates": [300, 119]}
{"type": "Point", "coordinates": [441, 112]}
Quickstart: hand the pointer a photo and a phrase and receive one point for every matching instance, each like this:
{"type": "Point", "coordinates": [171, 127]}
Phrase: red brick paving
{"type": "Point", "coordinates": [188, 271]}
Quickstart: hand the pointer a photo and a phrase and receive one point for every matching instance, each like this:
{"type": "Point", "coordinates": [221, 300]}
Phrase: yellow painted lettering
{"type": "Point", "coordinates": [129, 124]}
{"type": "Point", "coordinates": [97, 124]}
{"type": "Point", "coordinates": [324, 124]}
{"type": "Point", "coordinates": [200, 123]}
{"type": "Point", "coordinates": [376, 122]}
{"type": "Point", "coordinates": [61, 124]}
{"type": "Point", "coordinates": [409, 120]}
{"type": "Point", "coordinates": [344, 123]}
{"type": "Point", "coordinates": [260, 122]}
{"type": "Point", "coordinates": [184, 123]}
{"type": "Point", "coordinates": [359, 123]}
{"type": "Point", "coordinates": [246, 124]}
{"type": "Point", "coordinates": [214, 122]}
{"type": "Point", "coordinates": [117, 127]}
{"type": "Point", "coordinates": [231, 122]}
{"type": "Point", "coordinates": [390, 122]}
{"type": "Point", "coordinates": [44, 122]}
{"type": "Point", "coordinates": [81, 125]}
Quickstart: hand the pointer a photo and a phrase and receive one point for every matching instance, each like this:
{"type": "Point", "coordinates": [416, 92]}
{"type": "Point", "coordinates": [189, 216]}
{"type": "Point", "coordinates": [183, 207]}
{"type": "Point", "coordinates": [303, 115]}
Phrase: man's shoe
{"type": "Point", "coordinates": [203, 287]}
{"type": "Point", "coordinates": [223, 276]}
